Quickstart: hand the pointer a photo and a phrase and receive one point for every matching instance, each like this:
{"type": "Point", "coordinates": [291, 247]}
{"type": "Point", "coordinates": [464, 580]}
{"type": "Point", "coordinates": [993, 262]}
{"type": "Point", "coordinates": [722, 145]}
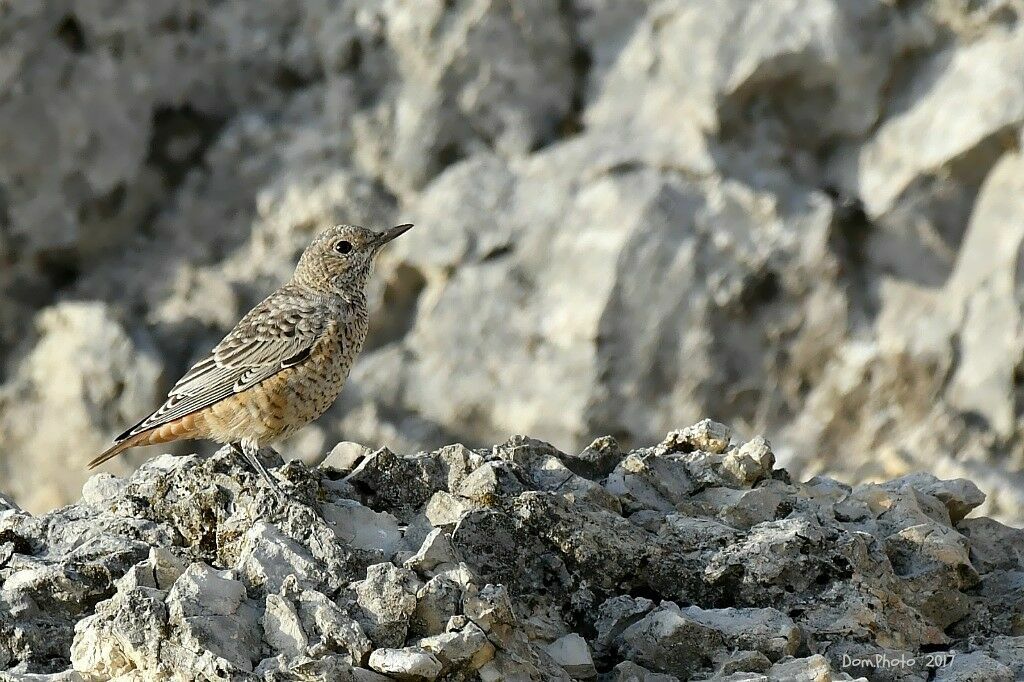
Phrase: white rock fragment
{"type": "Point", "coordinates": [345, 456]}
{"type": "Point", "coordinates": [409, 664]}
{"type": "Point", "coordinates": [282, 628]}
{"type": "Point", "coordinates": [267, 557]}
{"type": "Point", "coordinates": [573, 654]}
{"type": "Point", "coordinates": [387, 599]}
{"type": "Point", "coordinates": [444, 510]}
{"type": "Point", "coordinates": [363, 528]}
{"type": "Point", "coordinates": [210, 611]}
{"type": "Point", "coordinates": [436, 550]}
{"type": "Point", "coordinates": [464, 646]}
{"type": "Point", "coordinates": [102, 488]}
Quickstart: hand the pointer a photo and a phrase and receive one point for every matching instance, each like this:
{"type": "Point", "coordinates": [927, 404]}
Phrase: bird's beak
{"type": "Point", "coordinates": [388, 235]}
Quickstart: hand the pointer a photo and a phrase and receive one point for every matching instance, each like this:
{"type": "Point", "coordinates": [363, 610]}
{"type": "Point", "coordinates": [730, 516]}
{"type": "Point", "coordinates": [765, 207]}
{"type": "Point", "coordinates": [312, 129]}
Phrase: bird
{"type": "Point", "coordinates": [283, 364]}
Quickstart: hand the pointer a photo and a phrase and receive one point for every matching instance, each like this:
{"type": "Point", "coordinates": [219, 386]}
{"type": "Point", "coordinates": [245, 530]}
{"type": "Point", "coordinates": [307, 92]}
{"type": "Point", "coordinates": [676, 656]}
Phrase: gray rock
{"type": "Point", "coordinates": [647, 481]}
{"type": "Point", "coordinates": [628, 671]}
{"type": "Point", "coordinates": [363, 528]}
{"type": "Point", "coordinates": [399, 483]}
{"type": "Point", "coordinates": [211, 614]}
{"type": "Point", "coordinates": [974, 666]}
{"type": "Point", "coordinates": [615, 615]}
{"type": "Point", "coordinates": [705, 435]}
{"type": "Point", "coordinates": [387, 599]}
{"type": "Point", "coordinates": [681, 641]}
{"type": "Point", "coordinates": [437, 602]}
{"type": "Point", "coordinates": [463, 648]}
{"type": "Point", "coordinates": [436, 551]}
{"type": "Point", "coordinates": [410, 664]}
{"type": "Point", "coordinates": [597, 460]}
{"type": "Point", "coordinates": [814, 667]}
{"type": "Point", "coordinates": [267, 558]}
{"type": "Point", "coordinates": [345, 456]}
{"type": "Point", "coordinates": [489, 483]}
{"type": "Point", "coordinates": [572, 653]}
{"type": "Point", "coordinates": [306, 624]}
{"type": "Point", "coordinates": [444, 510]}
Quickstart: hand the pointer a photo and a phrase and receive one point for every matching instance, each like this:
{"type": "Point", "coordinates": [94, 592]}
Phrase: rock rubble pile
{"type": "Point", "coordinates": [692, 559]}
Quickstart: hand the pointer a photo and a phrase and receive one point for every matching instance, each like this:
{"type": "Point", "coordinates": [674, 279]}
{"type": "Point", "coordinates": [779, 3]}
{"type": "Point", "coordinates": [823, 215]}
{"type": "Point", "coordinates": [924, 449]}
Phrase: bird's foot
{"type": "Point", "coordinates": [250, 454]}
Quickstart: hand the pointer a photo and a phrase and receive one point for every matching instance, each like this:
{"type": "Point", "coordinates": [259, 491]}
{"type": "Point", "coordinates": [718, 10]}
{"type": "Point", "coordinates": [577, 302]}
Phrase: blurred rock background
{"type": "Point", "coordinates": [801, 217]}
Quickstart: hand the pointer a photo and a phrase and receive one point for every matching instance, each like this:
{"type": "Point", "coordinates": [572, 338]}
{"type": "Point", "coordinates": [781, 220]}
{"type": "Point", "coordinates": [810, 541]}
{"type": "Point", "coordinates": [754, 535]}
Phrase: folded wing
{"type": "Point", "coordinates": [278, 333]}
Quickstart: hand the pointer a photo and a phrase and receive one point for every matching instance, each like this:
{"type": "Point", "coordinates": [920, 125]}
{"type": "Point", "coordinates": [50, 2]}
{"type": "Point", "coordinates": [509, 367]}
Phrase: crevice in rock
{"type": "Point", "coordinates": [69, 32]}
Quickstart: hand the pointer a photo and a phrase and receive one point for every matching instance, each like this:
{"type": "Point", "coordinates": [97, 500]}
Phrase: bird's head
{"type": "Point", "coordinates": [340, 258]}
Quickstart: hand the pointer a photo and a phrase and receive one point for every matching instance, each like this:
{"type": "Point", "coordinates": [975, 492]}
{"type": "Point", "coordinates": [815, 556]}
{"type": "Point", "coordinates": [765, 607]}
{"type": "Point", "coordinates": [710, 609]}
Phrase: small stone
{"type": "Point", "coordinates": [742, 662]}
{"type": "Point", "coordinates": [102, 489]}
{"type": "Point", "coordinates": [336, 630]}
{"type": "Point", "coordinates": [410, 664]}
{"type": "Point", "coordinates": [344, 457]}
{"type": "Point", "coordinates": [628, 671]}
{"type": "Point", "coordinates": [399, 484]}
{"type": "Point", "coordinates": [812, 668]}
{"type": "Point", "coordinates": [444, 510]}
{"type": "Point", "coordinates": [466, 647]}
{"type": "Point", "coordinates": [436, 602]}
{"type": "Point", "coordinates": [489, 483]}
{"type": "Point", "coordinates": [158, 571]}
{"type": "Point", "coordinates": [490, 608]}
{"type": "Point", "coordinates": [364, 675]}
{"type": "Point", "coordinates": [597, 460]}
{"type": "Point", "coordinates": [682, 641]}
{"type": "Point", "coordinates": [166, 565]}
{"type": "Point", "coordinates": [972, 667]}
{"type": "Point", "coordinates": [436, 549]}
{"type": "Point", "coordinates": [267, 557]}
{"type": "Point", "coordinates": [282, 628]}
{"type": "Point", "coordinates": [211, 612]}
{"type": "Point", "coordinates": [959, 495]}
{"type": "Point", "coordinates": [572, 653]}
{"type": "Point", "coordinates": [616, 614]}
{"type": "Point", "coordinates": [750, 462]}
{"type": "Point", "coordinates": [705, 435]}
{"type": "Point", "coordinates": [361, 527]}
{"type": "Point", "coordinates": [646, 479]}
{"type": "Point", "coordinates": [387, 599]}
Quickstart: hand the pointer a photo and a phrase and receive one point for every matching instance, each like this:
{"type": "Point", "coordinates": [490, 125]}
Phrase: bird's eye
{"type": "Point", "coordinates": [343, 246]}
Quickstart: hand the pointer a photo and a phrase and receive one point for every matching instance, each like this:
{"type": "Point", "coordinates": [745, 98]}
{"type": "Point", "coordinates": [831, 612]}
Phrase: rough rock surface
{"type": "Point", "coordinates": [694, 558]}
{"type": "Point", "coordinates": [632, 214]}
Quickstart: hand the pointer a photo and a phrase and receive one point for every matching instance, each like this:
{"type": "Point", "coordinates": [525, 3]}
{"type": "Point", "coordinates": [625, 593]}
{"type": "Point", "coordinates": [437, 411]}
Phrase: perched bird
{"type": "Point", "coordinates": [283, 364]}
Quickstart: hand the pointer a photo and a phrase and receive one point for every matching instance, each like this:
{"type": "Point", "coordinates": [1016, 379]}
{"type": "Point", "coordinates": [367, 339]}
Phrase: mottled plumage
{"type": "Point", "coordinates": [285, 361]}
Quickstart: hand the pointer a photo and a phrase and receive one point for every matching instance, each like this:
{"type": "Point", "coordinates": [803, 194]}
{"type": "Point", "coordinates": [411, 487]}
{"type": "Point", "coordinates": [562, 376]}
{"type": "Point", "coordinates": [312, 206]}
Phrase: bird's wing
{"type": "Point", "coordinates": [278, 333]}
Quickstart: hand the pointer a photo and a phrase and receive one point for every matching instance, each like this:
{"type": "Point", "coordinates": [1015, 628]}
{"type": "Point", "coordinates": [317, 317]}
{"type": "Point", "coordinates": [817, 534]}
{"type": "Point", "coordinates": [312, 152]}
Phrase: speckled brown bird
{"type": "Point", "coordinates": [283, 364]}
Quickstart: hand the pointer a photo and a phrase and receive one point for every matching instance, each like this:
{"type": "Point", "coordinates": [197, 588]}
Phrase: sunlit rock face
{"type": "Point", "coordinates": [802, 218]}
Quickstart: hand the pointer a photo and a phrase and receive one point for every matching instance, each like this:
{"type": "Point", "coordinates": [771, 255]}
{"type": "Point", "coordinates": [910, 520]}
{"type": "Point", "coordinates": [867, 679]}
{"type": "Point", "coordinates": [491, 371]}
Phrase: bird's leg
{"type": "Point", "coordinates": [249, 451]}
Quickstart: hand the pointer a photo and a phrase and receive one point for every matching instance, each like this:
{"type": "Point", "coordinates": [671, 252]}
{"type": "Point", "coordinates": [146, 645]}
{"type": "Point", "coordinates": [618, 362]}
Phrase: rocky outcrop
{"type": "Point", "coordinates": [631, 215]}
{"type": "Point", "coordinates": [693, 558]}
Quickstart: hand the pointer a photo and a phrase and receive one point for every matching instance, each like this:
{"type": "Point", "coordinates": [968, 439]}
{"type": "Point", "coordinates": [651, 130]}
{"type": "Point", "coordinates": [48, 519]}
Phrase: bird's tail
{"type": "Point", "coordinates": [189, 426]}
{"type": "Point", "coordinates": [118, 448]}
